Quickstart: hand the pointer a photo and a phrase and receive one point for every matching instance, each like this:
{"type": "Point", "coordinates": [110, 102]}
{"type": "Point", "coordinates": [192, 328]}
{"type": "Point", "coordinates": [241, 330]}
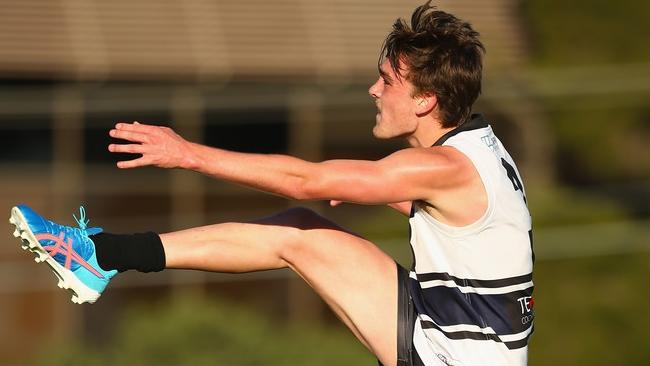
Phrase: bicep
{"type": "Point", "coordinates": [407, 175]}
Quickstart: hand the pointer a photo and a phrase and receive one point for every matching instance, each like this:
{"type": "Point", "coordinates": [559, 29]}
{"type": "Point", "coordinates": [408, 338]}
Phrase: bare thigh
{"type": "Point", "coordinates": [353, 276]}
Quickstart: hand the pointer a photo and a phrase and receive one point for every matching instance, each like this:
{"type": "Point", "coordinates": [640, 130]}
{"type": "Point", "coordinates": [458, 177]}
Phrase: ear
{"type": "Point", "coordinates": [425, 103]}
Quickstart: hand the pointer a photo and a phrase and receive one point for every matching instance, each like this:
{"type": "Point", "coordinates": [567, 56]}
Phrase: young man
{"type": "Point", "coordinates": [467, 300]}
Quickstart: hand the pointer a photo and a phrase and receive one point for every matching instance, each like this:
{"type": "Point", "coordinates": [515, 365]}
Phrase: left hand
{"type": "Point", "coordinates": [159, 146]}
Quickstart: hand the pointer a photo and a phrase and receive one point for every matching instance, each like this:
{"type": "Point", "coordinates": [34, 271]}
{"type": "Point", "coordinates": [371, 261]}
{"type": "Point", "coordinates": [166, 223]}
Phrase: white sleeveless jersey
{"type": "Point", "coordinates": [472, 286]}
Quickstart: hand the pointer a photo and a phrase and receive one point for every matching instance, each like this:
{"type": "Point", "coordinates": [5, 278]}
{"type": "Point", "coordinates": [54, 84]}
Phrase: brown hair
{"type": "Point", "coordinates": [443, 55]}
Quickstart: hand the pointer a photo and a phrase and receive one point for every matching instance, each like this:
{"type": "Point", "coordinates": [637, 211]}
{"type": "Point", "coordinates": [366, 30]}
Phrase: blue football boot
{"type": "Point", "coordinates": [68, 251]}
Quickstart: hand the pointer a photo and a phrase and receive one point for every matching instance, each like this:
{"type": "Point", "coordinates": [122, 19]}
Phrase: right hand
{"type": "Point", "coordinates": [159, 146]}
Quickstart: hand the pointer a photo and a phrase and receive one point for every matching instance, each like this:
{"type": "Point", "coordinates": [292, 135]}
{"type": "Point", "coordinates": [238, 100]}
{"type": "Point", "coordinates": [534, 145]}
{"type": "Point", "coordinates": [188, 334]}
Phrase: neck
{"type": "Point", "coordinates": [427, 134]}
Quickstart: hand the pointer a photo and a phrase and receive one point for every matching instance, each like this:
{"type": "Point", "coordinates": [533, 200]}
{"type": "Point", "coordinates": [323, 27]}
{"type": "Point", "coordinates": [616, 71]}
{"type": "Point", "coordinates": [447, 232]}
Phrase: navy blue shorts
{"type": "Point", "coordinates": [406, 316]}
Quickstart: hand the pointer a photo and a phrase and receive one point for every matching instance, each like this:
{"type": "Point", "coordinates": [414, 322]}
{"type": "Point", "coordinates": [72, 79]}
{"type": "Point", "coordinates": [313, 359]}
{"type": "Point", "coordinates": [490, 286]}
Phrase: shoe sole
{"type": "Point", "coordinates": [67, 280]}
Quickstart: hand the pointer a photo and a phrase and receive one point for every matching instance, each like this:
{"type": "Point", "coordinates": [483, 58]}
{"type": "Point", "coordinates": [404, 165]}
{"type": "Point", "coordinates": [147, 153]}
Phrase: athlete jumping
{"type": "Point", "coordinates": [467, 299]}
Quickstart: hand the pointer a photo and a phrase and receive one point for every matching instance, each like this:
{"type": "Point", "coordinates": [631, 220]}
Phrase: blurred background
{"type": "Point", "coordinates": [566, 86]}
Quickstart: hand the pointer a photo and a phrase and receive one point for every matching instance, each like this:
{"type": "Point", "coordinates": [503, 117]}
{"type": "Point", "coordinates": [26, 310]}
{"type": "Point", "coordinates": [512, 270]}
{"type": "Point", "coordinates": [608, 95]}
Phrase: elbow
{"type": "Point", "coordinates": [296, 194]}
{"type": "Point", "coordinates": [310, 183]}
{"type": "Point", "coordinates": [305, 189]}
{"type": "Point", "coordinates": [299, 196]}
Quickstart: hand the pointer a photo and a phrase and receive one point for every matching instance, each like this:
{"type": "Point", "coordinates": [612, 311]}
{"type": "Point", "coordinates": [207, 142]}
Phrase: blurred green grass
{"type": "Point", "coordinates": [199, 331]}
{"type": "Point", "coordinates": [591, 311]}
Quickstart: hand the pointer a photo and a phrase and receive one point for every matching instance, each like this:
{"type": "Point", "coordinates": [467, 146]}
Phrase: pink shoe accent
{"type": "Point", "coordinates": [64, 247]}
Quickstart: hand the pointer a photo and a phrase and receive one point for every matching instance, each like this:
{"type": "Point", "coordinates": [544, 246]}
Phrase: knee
{"type": "Point", "coordinates": [304, 224]}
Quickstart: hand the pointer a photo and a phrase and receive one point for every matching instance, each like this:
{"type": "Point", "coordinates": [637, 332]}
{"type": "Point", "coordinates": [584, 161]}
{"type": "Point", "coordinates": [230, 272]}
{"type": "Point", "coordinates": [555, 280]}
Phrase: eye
{"type": "Point", "coordinates": [386, 82]}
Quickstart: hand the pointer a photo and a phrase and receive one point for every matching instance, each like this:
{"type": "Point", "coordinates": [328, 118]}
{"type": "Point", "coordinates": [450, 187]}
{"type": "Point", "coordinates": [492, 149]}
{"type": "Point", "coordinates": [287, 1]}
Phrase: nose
{"type": "Point", "coordinates": [375, 89]}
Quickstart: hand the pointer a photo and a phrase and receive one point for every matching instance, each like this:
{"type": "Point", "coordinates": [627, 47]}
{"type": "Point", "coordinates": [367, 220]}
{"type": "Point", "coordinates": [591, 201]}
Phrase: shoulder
{"type": "Point", "coordinates": [438, 166]}
{"type": "Point", "coordinates": [446, 154]}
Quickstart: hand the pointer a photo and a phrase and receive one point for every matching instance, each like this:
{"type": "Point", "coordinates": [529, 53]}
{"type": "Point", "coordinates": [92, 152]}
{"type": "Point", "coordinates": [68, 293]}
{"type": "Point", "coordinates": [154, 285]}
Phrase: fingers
{"type": "Point", "coordinates": [135, 163]}
{"type": "Point", "coordinates": [135, 127]}
{"type": "Point", "coordinates": [130, 148]}
{"type": "Point", "coordinates": [129, 135]}
{"type": "Point", "coordinates": [145, 138]}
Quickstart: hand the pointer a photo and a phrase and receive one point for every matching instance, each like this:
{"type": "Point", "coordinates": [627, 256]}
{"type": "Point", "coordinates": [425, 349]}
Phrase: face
{"type": "Point", "coordinates": [396, 113]}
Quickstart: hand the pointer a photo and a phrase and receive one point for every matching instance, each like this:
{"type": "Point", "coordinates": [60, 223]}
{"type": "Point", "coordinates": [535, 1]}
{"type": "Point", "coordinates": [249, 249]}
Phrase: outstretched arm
{"type": "Point", "coordinates": [409, 174]}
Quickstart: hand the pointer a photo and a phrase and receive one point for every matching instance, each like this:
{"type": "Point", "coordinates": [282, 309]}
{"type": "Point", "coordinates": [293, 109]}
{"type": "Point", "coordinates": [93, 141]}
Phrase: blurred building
{"type": "Point", "coordinates": [260, 76]}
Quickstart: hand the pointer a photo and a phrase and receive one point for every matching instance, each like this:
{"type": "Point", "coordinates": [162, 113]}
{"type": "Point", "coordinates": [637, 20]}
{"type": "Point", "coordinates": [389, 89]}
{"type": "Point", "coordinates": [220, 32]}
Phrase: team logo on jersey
{"type": "Point", "coordinates": [527, 303]}
{"type": "Point", "coordinates": [491, 141]}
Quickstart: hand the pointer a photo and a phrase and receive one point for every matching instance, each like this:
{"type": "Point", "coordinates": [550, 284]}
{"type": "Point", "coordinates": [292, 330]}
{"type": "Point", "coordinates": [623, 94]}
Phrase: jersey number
{"type": "Point", "coordinates": [516, 184]}
{"type": "Point", "coordinates": [512, 174]}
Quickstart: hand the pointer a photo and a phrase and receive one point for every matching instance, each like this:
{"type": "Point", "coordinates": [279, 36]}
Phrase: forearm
{"type": "Point", "coordinates": [278, 174]}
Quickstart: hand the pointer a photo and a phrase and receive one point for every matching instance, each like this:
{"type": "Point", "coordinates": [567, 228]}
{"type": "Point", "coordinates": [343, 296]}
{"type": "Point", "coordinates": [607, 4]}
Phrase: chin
{"type": "Point", "coordinates": [376, 132]}
{"type": "Point", "coordinates": [381, 136]}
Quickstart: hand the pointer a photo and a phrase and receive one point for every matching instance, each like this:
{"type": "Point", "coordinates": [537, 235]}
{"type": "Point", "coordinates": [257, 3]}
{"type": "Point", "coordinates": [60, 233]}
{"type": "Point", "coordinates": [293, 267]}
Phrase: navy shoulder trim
{"type": "Point", "coordinates": [475, 122]}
